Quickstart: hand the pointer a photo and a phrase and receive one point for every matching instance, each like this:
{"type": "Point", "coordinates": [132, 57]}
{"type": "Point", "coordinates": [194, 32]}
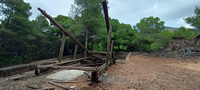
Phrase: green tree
{"type": "Point", "coordinates": [148, 29]}
{"type": "Point", "coordinates": [194, 20]}
{"type": "Point", "coordinates": [88, 13]}
{"type": "Point", "coordinates": [183, 32]}
{"type": "Point", "coordinates": [15, 34]}
{"type": "Point", "coordinates": [12, 10]}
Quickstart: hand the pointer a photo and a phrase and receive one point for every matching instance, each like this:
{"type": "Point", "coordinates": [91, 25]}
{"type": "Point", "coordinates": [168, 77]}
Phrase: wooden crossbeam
{"type": "Point", "coordinates": [67, 67]}
{"type": "Point", "coordinates": [71, 61]}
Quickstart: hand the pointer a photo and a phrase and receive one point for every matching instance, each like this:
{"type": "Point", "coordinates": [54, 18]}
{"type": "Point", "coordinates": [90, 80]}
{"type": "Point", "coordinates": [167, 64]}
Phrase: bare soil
{"type": "Point", "coordinates": [154, 73]}
{"type": "Point", "coordinates": [142, 72]}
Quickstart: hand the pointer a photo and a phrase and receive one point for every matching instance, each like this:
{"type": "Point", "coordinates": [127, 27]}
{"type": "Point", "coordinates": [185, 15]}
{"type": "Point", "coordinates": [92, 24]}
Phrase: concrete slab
{"type": "Point", "coordinates": [66, 75]}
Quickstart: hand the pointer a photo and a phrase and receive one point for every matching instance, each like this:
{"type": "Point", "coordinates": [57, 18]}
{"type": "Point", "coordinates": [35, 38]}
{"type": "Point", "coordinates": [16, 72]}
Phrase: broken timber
{"type": "Point", "coordinates": [98, 73]}
{"type": "Point", "coordinates": [105, 9]}
{"type": "Point", "coordinates": [108, 48]}
{"type": "Point", "coordinates": [65, 32]}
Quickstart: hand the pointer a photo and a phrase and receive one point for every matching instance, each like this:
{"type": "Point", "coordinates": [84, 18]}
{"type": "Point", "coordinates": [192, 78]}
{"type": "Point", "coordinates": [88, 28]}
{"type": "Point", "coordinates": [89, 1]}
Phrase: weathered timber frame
{"type": "Point", "coordinates": [99, 69]}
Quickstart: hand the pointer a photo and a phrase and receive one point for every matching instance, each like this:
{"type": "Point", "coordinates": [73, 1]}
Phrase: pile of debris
{"type": "Point", "coordinates": [180, 47]}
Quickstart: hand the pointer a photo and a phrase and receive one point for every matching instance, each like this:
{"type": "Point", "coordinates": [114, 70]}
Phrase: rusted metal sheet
{"type": "Point", "coordinates": [105, 9]}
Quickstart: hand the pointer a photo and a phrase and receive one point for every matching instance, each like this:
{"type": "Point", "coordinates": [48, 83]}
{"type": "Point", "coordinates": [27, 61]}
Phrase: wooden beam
{"type": "Point", "coordinates": [62, 47]}
{"type": "Point", "coordinates": [105, 9]}
{"type": "Point", "coordinates": [111, 52]}
{"type": "Point", "coordinates": [75, 51]}
{"type": "Point", "coordinates": [63, 29]}
{"type": "Point", "coordinates": [71, 61]}
{"type": "Point", "coordinates": [65, 32]}
{"type": "Point", "coordinates": [67, 67]}
{"type": "Point", "coordinates": [108, 48]}
{"type": "Point", "coordinates": [86, 42]}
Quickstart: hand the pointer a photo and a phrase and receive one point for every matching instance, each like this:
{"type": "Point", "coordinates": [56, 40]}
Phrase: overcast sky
{"type": "Point", "coordinates": [128, 11]}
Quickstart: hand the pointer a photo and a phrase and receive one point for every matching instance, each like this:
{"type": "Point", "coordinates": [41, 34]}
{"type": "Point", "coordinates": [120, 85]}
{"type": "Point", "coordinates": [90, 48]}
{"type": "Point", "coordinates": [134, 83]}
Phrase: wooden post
{"type": "Point", "coordinates": [62, 47]}
{"type": "Point", "coordinates": [108, 47]}
{"type": "Point", "coordinates": [111, 52]}
{"type": "Point", "coordinates": [86, 42]}
{"type": "Point", "coordinates": [75, 51]}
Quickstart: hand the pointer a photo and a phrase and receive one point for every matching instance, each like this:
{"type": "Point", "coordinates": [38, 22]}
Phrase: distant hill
{"type": "Point", "coordinates": [172, 29]}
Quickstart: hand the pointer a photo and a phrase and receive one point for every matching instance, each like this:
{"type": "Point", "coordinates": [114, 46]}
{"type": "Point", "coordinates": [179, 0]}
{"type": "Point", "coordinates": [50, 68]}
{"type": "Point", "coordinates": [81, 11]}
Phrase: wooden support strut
{"type": "Point", "coordinates": [105, 9]}
{"type": "Point", "coordinates": [111, 53]}
{"type": "Point", "coordinates": [62, 47]}
{"type": "Point", "coordinates": [108, 48]}
{"type": "Point", "coordinates": [75, 51]}
{"type": "Point", "coordinates": [86, 42]}
{"type": "Point", "coordinates": [63, 29]}
{"type": "Point", "coordinates": [65, 32]}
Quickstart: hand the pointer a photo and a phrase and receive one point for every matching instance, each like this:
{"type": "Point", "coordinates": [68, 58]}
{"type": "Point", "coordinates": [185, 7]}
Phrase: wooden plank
{"type": "Point", "coordinates": [67, 67]}
{"type": "Point", "coordinates": [108, 48]}
{"type": "Point", "coordinates": [59, 85]}
{"type": "Point", "coordinates": [62, 47]}
{"type": "Point", "coordinates": [75, 51]}
{"type": "Point", "coordinates": [111, 54]}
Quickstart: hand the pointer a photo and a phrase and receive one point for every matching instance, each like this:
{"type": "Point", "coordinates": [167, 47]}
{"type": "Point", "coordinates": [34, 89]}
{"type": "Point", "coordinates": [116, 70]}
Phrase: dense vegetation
{"type": "Point", "coordinates": [23, 40]}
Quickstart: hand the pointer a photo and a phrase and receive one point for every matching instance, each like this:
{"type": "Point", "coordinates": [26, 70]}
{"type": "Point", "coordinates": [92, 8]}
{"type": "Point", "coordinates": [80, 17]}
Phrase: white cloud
{"type": "Point", "coordinates": [188, 26]}
{"type": "Point", "coordinates": [172, 9]}
{"type": "Point", "coordinates": [52, 7]}
{"type": "Point", "coordinates": [128, 11]}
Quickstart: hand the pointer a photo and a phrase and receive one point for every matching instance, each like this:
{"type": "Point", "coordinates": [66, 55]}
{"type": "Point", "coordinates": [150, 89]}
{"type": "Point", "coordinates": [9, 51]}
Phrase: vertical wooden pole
{"type": "Point", "coordinates": [75, 51]}
{"type": "Point", "coordinates": [108, 47]}
{"type": "Point", "coordinates": [111, 52]}
{"type": "Point", "coordinates": [62, 47]}
{"type": "Point", "coordinates": [86, 42]}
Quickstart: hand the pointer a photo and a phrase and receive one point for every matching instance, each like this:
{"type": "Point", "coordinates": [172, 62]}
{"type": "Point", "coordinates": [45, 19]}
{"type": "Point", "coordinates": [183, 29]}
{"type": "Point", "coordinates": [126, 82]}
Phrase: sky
{"type": "Point", "coordinates": [131, 12]}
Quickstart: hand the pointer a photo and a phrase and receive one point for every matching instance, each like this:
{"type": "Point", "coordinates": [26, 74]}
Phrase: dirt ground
{"type": "Point", "coordinates": [153, 73]}
{"type": "Point", "coordinates": [142, 72]}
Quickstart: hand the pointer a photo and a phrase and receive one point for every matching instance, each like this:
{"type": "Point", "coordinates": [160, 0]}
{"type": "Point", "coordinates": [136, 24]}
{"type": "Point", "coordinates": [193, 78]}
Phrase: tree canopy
{"type": "Point", "coordinates": [194, 20]}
